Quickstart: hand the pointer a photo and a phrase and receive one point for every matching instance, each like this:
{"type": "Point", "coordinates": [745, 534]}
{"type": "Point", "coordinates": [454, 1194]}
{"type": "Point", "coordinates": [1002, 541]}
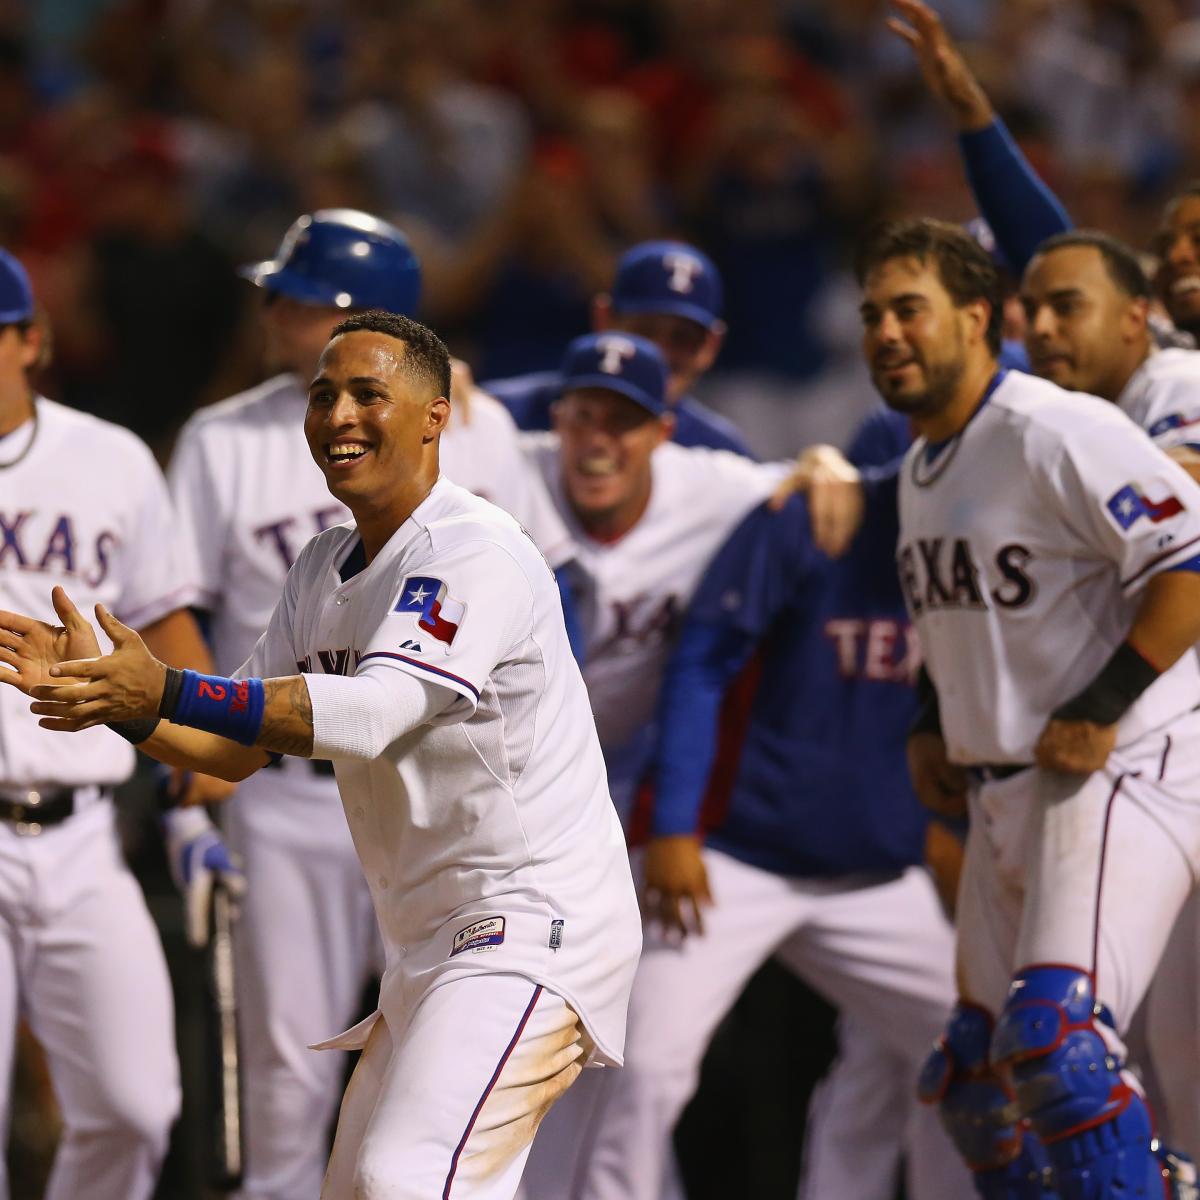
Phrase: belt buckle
{"type": "Point", "coordinates": [29, 807]}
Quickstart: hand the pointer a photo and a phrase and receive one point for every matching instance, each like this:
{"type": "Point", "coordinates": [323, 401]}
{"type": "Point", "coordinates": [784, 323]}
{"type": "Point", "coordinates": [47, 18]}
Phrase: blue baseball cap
{"type": "Point", "coordinates": [16, 292]}
{"type": "Point", "coordinates": [668, 277]}
{"type": "Point", "coordinates": [618, 362]}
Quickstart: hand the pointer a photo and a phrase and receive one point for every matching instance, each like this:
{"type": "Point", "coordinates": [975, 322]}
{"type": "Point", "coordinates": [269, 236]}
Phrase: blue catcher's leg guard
{"type": "Point", "coordinates": [1096, 1128]}
{"type": "Point", "coordinates": [979, 1111]}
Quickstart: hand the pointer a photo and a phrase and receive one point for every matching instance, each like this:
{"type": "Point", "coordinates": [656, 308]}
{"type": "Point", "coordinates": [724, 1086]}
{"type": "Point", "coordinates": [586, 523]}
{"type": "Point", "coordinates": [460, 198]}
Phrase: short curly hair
{"type": "Point", "coordinates": [965, 269]}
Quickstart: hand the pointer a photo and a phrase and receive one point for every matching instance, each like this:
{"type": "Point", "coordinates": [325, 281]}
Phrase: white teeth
{"type": "Point", "coordinates": [347, 451]}
{"type": "Point", "coordinates": [597, 466]}
{"type": "Point", "coordinates": [1189, 283]}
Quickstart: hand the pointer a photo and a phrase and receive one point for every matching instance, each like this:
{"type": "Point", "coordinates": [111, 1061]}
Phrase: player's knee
{"type": "Point", "coordinates": [1067, 1074]}
{"type": "Point", "coordinates": [137, 1118]}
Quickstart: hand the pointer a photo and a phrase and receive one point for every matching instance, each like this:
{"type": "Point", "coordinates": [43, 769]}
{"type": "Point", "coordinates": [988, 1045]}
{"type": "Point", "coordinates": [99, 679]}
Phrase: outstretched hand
{"type": "Point", "coordinates": [121, 686]}
{"type": "Point", "coordinates": [945, 70]}
{"type": "Point", "coordinates": [31, 649]}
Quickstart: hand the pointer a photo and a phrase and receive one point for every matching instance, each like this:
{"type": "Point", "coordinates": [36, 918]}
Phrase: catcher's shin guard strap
{"type": "Point", "coordinates": [1070, 1087]}
{"type": "Point", "coordinates": [979, 1110]}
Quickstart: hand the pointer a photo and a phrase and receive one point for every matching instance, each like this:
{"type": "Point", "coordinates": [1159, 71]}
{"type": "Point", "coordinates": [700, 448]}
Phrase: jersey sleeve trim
{"type": "Point", "coordinates": [147, 614]}
{"type": "Point", "coordinates": [1175, 553]}
{"type": "Point", "coordinates": [412, 662]}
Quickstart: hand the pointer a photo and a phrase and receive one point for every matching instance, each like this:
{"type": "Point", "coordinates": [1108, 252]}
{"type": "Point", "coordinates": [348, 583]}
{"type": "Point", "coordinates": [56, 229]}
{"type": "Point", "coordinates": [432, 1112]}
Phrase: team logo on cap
{"type": "Point", "coordinates": [682, 271]}
{"type": "Point", "coordinates": [614, 351]}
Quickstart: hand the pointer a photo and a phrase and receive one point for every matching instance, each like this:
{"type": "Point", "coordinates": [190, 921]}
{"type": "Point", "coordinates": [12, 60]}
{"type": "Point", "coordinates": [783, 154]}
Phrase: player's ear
{"type": "Point", "coordinates": [1136, 318]}
{"type": "Point", "coordinates": [601, 313]}
{"type": "Point", "coordinates": [713, 341]}
{"type": "Point", "coordinates": [437, 417]}
{"type": "Point", "coordinates": [666, 428]}
{"type": "Point", "coordinates": [35, 347]}
{"type": "Point", "coordinates": [978, 314]}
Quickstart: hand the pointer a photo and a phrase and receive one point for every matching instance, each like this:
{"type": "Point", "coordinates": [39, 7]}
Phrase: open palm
{"type": "Point", "coordinates": [29, 648]}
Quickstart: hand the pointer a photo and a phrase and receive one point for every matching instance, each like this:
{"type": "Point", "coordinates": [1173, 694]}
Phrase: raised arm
{"type": "Point", "coordinates": [1020, 209]}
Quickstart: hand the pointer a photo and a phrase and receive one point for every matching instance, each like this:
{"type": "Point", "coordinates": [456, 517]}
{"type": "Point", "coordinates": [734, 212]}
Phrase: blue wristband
{"type": "Point", "coordinates": [232, 708]}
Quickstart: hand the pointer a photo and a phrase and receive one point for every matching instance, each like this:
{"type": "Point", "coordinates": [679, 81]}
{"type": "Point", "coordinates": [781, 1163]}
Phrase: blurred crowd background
{"type": "Point", "coordinates": [149, 146]}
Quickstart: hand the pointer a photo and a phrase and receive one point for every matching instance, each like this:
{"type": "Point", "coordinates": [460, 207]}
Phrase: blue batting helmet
{"type": "Point", "coordinates": [343, 258]}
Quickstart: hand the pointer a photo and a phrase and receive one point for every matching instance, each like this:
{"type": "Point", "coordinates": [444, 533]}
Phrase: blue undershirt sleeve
{"type": "Point", "coordinates": [706, 659]}
{"type": "Point", "coordinates": [1021, 210]}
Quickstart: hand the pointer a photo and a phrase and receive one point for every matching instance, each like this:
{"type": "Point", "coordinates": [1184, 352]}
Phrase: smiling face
{"type": "Point", "coordinates": [606, 441]}
{"type": "Point", "coordinates": [1178, 245]}
{"type": "Point", "coordinates": [915, 338]}
{"type": "Point", "coordinates": [373, 423]}
{"type": "Point", "coordinates": [1082, 332]}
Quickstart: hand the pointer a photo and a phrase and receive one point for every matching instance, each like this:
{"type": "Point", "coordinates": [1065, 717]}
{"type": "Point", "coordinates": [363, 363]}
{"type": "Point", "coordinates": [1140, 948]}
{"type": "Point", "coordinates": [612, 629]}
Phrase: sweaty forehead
{"type": "Point", "coordinates": [363, 353]}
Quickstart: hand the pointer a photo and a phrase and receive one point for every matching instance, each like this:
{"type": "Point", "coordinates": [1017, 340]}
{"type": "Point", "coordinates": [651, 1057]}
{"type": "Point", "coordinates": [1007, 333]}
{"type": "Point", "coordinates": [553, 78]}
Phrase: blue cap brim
{"type": "Point", "coordinates": [14, 316]}
{"type": "Point", "coordinates": [275, 278]}
{"type": "Point", "coordinates": [613, 383]}
{"type": "Point", "coordinates": [673, 308]}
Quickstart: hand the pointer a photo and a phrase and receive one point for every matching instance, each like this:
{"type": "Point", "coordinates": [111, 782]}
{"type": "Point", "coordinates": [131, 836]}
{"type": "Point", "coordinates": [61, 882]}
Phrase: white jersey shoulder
{"type": "Point", "coordinates": [1163, 397]}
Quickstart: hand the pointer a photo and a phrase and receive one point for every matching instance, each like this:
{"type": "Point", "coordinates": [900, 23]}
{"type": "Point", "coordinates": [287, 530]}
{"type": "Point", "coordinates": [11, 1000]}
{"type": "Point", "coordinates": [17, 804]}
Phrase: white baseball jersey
{"type": "Point", "coordinates": [1024, 546]}
{"type": "Point", "coordinates": [86, 507]}
{"type": "Point", "coordinates": [636, 590]}
{"type": "Point", "coordinates": [1163, 397]}
{"type": "Point", "coordinates": [249, 496]}
{"type": "Point", "coordinates": [487, 837]}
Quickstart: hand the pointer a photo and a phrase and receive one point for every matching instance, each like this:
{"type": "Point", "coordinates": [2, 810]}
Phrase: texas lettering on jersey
{"type": "Point", "coordinates": [332, 662]}
{"type": "Point", "coordinates": [943, 573]}
{"type": "Point", "coordinates": [287, 535]}
{"type": "Point", "coordinates": [32, 541]}
{"type": "Point", "coordinates": [879, 649]}
{"type": "Point", "coordinates": [642, 621]}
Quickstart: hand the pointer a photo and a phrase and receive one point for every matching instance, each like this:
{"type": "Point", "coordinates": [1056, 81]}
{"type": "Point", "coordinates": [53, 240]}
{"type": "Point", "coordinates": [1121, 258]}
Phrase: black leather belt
{"type": "Point", "coordinates": [31, 810]}
{"type": "Point", "coordinates": [994, 772]}
{"type": "Point", "coordinates": [318, 766]}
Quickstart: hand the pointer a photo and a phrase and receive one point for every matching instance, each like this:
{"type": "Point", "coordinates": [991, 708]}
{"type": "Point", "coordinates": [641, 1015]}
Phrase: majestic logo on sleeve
{"type": "Point", "coordinates": [440, 613]}
{"type": "Point", "coordinates": [1130, 504]}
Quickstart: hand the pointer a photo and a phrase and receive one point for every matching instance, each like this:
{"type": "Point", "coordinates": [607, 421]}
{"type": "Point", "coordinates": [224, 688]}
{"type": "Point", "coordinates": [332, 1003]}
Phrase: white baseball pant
{"type": "Point", "coordinates": [880, 951]}
{"type": "Point", "coordinates": [1085, 871]}
{"type": "Point", "coordinates": [307, 944]}
{"type": "Point", "coordinates": [81, 959]}
{"type": "Point", "coordinates": [446, 1106]}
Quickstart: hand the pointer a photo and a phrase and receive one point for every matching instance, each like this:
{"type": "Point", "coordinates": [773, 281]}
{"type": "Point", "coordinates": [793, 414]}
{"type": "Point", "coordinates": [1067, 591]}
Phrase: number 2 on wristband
{"type": "Point", "coordinates": [210, 691]}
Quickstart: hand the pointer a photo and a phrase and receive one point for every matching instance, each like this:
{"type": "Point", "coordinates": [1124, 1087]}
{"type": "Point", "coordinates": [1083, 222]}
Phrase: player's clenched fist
{"type": "Point", "coordinates": [676, 880]}
{"type": "Point", "coordinates": [940, 784]}
{"type": "Point", "coordinates": [1077, 747]}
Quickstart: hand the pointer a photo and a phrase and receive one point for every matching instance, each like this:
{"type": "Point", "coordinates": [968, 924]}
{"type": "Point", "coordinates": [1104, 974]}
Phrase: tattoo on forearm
{"type": "Point", "coordinates": [287, 726]}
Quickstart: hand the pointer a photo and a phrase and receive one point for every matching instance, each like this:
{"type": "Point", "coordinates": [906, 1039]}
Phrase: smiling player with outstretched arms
{"type": "Point", "coordinates": [434, 671]}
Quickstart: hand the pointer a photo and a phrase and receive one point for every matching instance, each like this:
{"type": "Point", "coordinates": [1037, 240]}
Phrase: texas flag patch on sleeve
{"type": "Point", "coordinates": [1129, 504]}
{"type": "Point", "coordinates": [438, 613]}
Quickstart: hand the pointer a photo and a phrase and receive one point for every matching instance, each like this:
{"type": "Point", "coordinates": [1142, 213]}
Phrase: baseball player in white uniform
{"type": "Point", "coordinates": [248, 499]}
{"type": "Point", "coordinates": [1087, 301]}
{"type": "Point", "coordinates": [435, 672]}
{"type": "Point", "coordinates": [82, 504]}
{"type": "Point", "coordinates": [1048, 552]}
{"type": "Point", "coordinates": [646, 517]}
